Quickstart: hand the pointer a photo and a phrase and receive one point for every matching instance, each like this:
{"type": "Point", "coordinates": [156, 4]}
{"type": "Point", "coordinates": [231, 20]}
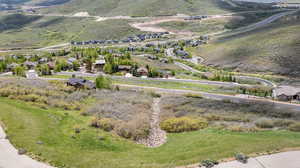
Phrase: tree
{"type": "Point", "coordinates": [75, 65]}
{"type": "Point", "coordinates": [19, 71]}
{"type": "Point", "coordinates": [103, 82]}
{"type": "Point", "coordinates": [45, 70]}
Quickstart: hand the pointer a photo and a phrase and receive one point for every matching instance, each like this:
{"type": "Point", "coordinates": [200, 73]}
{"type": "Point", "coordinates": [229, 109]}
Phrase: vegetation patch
{"type": "Point", "coordinates": [183, 124]}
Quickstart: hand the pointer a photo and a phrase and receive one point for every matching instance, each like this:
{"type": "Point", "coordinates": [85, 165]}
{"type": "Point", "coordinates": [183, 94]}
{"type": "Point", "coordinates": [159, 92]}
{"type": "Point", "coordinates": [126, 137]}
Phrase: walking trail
{"type": "Point", "coordinates": [9, 157]}
{"type": "Point", "coordinates": [157, 137]}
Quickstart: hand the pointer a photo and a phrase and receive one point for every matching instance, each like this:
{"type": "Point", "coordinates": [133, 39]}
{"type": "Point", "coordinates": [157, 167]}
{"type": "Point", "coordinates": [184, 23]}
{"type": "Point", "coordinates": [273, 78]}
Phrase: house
{"type": "Point", "coordinates": [81, 83]}
{"type": "Point", "coordinates": [142, 71]}
{"type": "Point", "coordinates": [164, 60]}
{"type": "Point", "coordinates": [152, 57]}
{"type": "Point", "coordinates": [31, 74]}
{"type": "Point", "coordinates": [287, 93]}
{"type": "Point", "coordinates": [99, 65]}
{"type": "Point", "coordinates": [43, 60]}
{"type": "Point", "coordinates": [124, 68]}
{"type": "Point", "coordinates": [182, 53]}
{"type": "Point", "coordinates": [12, 66]}
{"type": "Point", "coordinates": [70, 61]}
{"type": "Point", "coordinates": [30, 65]}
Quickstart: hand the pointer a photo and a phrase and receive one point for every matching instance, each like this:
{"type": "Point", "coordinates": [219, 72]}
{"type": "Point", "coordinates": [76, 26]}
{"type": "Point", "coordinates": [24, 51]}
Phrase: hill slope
{"type": "Point", "coordinates": [141, 7]}
{"type": "Point", "coordinates": [275, 49]}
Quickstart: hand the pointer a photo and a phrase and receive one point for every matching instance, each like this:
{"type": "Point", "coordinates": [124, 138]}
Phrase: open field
{"type": "Point", "coordinates": [273, 49]}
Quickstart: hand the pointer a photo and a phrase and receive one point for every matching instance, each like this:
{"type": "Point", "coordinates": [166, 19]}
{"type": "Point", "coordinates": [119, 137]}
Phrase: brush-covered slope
{"type": "Point", "coordinates": [274, 48]}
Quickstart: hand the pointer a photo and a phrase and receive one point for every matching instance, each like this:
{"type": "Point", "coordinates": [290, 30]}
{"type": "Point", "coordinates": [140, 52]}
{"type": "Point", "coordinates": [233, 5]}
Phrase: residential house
{"type": "Point", "coordinates": [287, 93]}
{"type": "Point", "coordinates": [99, 65]}
{"type": "Point", "coordinates": [30, 65]}
{"type": "Point", "coordinates": [124, 68]}
{"type": "Point", "coordinates": [142, 71]}
{"type": "Point", "coordinates": [81, 83]}
{"type": "Point", "coordinates": [32, 74]}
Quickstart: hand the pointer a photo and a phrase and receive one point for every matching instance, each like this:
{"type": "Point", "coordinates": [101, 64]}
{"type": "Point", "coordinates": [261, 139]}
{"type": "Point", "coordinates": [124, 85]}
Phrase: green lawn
{"type": "Point", "coordinates": [26, 125]}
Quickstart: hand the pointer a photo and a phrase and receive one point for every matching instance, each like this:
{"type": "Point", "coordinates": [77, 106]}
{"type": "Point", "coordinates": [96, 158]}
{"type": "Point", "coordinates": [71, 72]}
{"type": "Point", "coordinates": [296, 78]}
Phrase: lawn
{"type": "Point", "coordinates": [63, 148]}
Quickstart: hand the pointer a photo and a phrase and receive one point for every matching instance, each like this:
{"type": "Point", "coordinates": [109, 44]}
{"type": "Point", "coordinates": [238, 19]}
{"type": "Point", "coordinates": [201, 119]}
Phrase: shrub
{"type": "Point", "coordinates": [135, 129]}
{"type": "Point", "coordinates": [190, 95]}
{"type": "Point", "coordinates": [182, 124]}
{"type": "Point", "coordinates": [209, 163]}
{"type": "Point", "coordinates": [295, 127]}
{"type": "Point", "coordinates": [241, 158]}
{"type": "Point", "coordinates": [283, 123]}
{"type": "Point", "coordinates": [106, 124]}
{"type": "Point", "coordinates": [155, 95]}
{"type": "Point", "coordinates": [264, 123]}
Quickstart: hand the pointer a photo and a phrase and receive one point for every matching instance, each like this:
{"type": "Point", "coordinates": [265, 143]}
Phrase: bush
{"type": "Point", "coordinates": [190, 95]}
{"type": "Point", "coordinates": [295, 127]}
{"type": "Point", "coordinates": [209, 163]}
{"type": "Point", "coordinates": [134, 129]}
{"type": "Point", "coordinates": [106, 124]}
{"type": "Point", "coordinates": [264, 123]}
{"type": "Point", "coordinates": [155, 95]}
{"type": "Point", "coordinates": [182, 124]}
{"type": "Point", "coordinates": [241, 158]}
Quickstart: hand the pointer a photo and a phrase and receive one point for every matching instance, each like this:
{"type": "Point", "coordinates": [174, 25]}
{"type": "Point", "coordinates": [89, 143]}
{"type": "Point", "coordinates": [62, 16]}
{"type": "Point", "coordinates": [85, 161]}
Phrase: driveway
{"type": "Point", "coordinates": [9, 157]}
{"type": "Point", "coordinates": [279, 160]}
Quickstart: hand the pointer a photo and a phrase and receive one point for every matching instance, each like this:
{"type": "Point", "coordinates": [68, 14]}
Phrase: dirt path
{"type": "Point", "coordinates": [157, 137]}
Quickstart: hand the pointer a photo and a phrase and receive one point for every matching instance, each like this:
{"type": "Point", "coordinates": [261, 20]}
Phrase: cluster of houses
{"type": "Point", "coordinates": [287, 5]}
{"type": "Point", "coordinates": [200, 17]}
{"type": "Point", "coordinates": [136, 38]}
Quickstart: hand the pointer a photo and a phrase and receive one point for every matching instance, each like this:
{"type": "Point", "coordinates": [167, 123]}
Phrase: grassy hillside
{"type": "Point", "coordinates": [274, 49]}
{"type": "Point", "coordinates": [28, 125]}
{"type": "Point", "coordinates": [24, 31]}
{"type": "Point", "coordinates": [141, 7]}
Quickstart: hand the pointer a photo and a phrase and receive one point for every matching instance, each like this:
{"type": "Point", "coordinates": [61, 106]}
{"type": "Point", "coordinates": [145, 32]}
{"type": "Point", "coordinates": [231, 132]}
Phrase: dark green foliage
{"type": "Point", "coordinates": [103, 82]}
{"type": "Point", "coordinates": [19, 71]}
{"type": "Point", "coordinates": [209, 163]}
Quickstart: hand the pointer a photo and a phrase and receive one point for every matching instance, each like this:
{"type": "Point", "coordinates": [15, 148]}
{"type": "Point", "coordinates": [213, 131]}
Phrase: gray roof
{"type": "Point", "coordinates": [286, 90]}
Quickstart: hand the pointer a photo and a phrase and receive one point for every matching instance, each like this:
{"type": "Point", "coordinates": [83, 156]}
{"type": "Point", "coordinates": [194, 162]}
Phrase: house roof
{"type": "Point", "coordinates": [100, 62]}
{"type": "Point", "coordinates": [287, 90]}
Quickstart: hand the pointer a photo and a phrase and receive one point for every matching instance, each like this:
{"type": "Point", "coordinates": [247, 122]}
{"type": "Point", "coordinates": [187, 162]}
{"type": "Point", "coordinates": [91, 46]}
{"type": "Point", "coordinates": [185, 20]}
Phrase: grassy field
{"type": "Point", "coordinates": [34, 31]}
{"type": "Point", "coordinates": [273, 49]}
{"type": "Point", "coordinates": [63, 148]}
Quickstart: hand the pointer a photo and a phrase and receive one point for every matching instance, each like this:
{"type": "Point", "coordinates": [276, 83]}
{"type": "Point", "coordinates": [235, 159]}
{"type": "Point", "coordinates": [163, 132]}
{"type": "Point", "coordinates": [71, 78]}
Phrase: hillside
{"type": "Point", "coordinates": [17, 30]}
{"type": "Point", "coordinates": [273, 49]}
{"type": "Point", "coordinates": [141, 7]}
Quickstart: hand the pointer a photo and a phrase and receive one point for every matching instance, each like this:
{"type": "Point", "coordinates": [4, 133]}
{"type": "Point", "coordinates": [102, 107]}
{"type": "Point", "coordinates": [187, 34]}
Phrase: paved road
{"type": "Point", "coordinates": [204, 82]}
{"type": "Point", "coordinates": [215, 96]}
{"type": "Point", "coordinates": [9, 157]}
{"type": "Point", "coordinates": [262, 23]}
